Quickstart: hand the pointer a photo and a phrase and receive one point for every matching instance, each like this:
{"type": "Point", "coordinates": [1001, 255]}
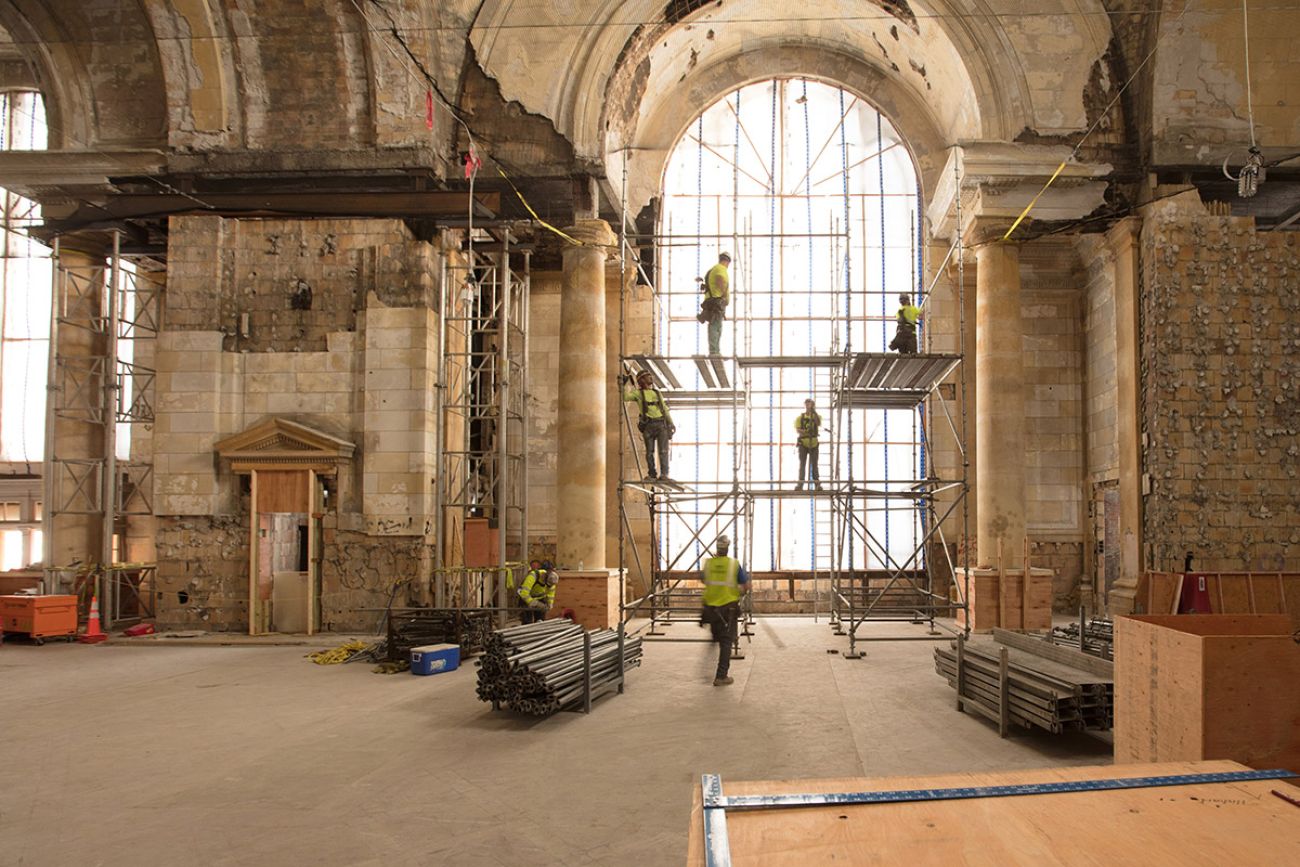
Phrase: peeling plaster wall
{"type": "Point", "coordinates": [1199, 114]}
{"type": "Point", "coordinates": [1220, 390]}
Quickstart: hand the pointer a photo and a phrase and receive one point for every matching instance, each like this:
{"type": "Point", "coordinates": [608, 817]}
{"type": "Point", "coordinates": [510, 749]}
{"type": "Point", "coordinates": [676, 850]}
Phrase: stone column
{"type": "Point", "coordinates": [581, 426]}
{"type": "Point", "coordinates": [1123, 240]}
{"type": "Point", "coordinates": [1000, 422]}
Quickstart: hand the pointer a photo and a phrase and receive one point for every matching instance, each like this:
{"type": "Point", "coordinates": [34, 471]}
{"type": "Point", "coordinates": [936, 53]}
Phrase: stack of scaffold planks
{"type": "Point", "coordinates": [1017, 679]}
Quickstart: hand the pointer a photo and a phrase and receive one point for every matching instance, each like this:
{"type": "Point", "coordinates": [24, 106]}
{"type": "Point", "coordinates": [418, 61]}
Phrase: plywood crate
{"type": "Point", "coordinates": [1207, 686]}
{"type": "Point", "coordinates": [592, 594]}
{"type": "Point", "coordinates": [986, 610]}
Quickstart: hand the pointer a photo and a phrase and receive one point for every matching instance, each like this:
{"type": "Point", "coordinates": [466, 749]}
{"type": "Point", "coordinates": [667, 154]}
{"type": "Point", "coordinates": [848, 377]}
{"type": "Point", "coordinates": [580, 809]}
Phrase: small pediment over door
{"type": "Point", "coordinates": [280, 444]}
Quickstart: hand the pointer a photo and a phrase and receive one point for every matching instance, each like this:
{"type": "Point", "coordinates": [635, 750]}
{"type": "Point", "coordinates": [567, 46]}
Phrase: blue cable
{"type": "Point", "coordinates": [812, 384]}
{"type": "Point", "coordinates": [848, 285]}
{"type": "Point", "coordinates": [771, 331]}
{"type": "Point", "coordinates": [884, 327]}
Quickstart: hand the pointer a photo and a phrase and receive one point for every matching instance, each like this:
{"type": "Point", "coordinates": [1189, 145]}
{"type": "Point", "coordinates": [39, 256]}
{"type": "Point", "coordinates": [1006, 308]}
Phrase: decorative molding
{"type": "Point", "coordinates": [278, 443]}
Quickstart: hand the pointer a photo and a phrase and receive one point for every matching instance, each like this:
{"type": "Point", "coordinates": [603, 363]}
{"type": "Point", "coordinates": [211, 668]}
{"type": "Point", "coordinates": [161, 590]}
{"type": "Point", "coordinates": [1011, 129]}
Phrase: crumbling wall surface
{"type": "Point", "coordinates": [361, 574]}
{"type": "Point", "coordinates": [295, 280]}
{"type": "Point", "coordinates": [1199, 111]}
{"type": "Point", "coordinates": [330, 323]}
{"type": "Point", "coordinates": [202, 580]}
{"type": "Point", "coordinates": [1220, 366]}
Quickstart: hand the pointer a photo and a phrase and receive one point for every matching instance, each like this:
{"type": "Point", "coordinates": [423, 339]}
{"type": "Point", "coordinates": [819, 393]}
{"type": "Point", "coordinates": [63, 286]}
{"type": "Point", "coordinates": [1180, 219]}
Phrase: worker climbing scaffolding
{"type": "Point", "coordinates": [655, 423]}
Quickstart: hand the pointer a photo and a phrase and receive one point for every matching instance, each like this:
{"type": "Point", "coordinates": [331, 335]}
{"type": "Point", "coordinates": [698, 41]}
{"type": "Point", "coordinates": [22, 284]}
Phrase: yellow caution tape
{"type": "Point", "coordinates": [537, 216]}
{"type": "Point", "coordinates": [1029, 207]}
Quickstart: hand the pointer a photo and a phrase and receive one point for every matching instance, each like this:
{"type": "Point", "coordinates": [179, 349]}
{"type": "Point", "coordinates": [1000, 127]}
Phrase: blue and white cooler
{"type": "Point", "coordinates": [435, 658]}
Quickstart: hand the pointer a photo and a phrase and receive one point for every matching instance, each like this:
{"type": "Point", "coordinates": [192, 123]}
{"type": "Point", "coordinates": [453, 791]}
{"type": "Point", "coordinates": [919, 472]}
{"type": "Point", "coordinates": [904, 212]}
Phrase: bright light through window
{"type": "Point", "coordinates": [24, 295]}
{"type": "Point", "coordinates": [814, 194]}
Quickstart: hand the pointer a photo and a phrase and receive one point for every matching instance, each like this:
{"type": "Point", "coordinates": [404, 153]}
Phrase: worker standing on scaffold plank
{"type": "Point", "coordinates": [808, 425]}
{"type": "Point", "coordinates": [716, 286]}
{"type": "Point", "coordinates": [655, 423]}
{"type": "Point", "coordinates": [908, 317]}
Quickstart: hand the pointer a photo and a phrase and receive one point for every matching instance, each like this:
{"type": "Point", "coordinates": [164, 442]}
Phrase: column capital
{"type": "Point", "coordinates": [984, 232]}
{"type": "Point", "coordinates": [1124, 232]}
{"type": "Point", "coordinates": [999, 179]}
{"type": "Point", "coordinates": [593, 234]}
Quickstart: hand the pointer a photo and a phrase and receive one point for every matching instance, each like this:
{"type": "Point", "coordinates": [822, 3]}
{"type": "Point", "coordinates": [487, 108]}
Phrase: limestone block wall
{"type": "Point", "coordinates": [1220, 390]}
{"type": "Point", "coordinates": [358, 362]}
{"type": "Point", "coordinates": [543, 400]}
{"type": "Point", "coordinates": [1055, 456]}
{"type": "Point", "coordinates": [1100, 389]}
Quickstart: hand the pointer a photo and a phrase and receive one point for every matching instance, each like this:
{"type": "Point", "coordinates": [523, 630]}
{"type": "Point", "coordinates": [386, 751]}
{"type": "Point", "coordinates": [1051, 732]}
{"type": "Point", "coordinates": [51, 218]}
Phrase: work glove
{"type": "Point", "coordinates": [537, 604]}
{"type": "Point", "coordinates": [672, 431]}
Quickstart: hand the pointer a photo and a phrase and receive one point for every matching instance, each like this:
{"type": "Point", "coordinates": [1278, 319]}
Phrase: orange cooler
{"type": "Point", "coordinates": [40, 617]}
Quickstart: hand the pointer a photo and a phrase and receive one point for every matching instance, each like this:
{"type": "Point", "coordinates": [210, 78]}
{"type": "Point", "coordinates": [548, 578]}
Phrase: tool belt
{"type": "Point", "coordinates": [712, 310]}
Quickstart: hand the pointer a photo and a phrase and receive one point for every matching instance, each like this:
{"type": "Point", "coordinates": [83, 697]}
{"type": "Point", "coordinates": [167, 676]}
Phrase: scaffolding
{"type": "Point", "coordinates": [481, 489]}
{"type": "Point", "coordinates": [105, 318]}
{"type": "Point", "coordinates": [843, 512]}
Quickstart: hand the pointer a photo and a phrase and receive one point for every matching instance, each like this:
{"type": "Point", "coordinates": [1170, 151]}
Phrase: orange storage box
{"type": "Point", "coordinates": [41, 617]}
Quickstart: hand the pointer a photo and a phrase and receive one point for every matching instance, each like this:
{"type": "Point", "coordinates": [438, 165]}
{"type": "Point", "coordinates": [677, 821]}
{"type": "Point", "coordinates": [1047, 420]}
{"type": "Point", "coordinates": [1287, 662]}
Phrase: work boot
{"type": "Point", "coordinates": [663, 477]}
{"type": "Point", "coordinates": [651, 476]}
{"type": "Point", "coordinates": [723, 681]}
{"type": "Point", "coordinates": [819, 486]}
{"type": "Point", "coordinates": [799, 487]}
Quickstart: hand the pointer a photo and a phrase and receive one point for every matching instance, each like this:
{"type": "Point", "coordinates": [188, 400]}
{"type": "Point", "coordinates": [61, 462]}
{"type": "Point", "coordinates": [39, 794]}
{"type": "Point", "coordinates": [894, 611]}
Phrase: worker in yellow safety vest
{"type": "Point", "coordinates": [807, 426]}
{"type": "Point", "coordinates": [716, 286]}
{"type": "Point", "coordinates": [656, 423]}
{"type": "Point", "coordinates": [725, 582]}
{"type": "Point", "coordinates": [905, 334]}
{"type": "Point", "coordinates": [538, 593]}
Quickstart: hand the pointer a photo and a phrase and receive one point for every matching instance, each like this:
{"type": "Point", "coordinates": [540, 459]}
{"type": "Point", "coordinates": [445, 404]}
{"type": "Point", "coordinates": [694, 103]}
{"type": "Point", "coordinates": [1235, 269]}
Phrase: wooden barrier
{"type": "Point", "coordinates": [1229, 592]}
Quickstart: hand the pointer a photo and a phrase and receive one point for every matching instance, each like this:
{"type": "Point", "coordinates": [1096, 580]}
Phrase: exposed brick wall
{"type": "Point", "coordinates": [361, 572]}
{"type": "Point", "coordinates": [202, 580]}
{"type": "Point", "coordinates": [1220, 390]}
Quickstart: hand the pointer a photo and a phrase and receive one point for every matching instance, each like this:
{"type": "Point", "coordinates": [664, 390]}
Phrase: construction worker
{"type": "Point", "coordinates": [538, 593]}
{"type": "Point", "coordinates": [655, 423]}
{"type": "Point", "coordinates": [533, 566]}
{"type": "Point", "coordinates": [725, 581]}
{"type": "Point", "coordinates": [807, 426]}
{"type": "Point", "coordinates": [717, 295]}
{"type": "Point", "coordinates": [905, 335]}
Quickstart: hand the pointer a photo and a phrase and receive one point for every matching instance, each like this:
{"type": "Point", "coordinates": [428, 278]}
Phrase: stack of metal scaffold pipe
{"type": "Point", "coordinates": [541, 668]}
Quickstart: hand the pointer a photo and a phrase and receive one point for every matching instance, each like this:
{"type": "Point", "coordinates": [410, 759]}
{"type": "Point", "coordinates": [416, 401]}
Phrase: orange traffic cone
{"type": "Point", "coordinates": [93, 634]}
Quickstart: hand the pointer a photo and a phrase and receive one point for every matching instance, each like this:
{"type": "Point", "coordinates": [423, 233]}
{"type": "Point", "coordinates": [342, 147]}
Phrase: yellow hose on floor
{"type": "Point", "coordinates": [338, 655]}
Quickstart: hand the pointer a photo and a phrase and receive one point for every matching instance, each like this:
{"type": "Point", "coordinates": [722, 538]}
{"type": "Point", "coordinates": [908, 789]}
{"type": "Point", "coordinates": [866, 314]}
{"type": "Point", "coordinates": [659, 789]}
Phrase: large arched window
{"type": "Point", "coordinates": [815, 195]}
{"type": "Point", "coordinates": [24, 342]}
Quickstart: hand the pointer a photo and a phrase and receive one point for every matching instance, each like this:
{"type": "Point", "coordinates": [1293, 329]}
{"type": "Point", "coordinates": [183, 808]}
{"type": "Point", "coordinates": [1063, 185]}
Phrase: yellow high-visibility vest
{"type": "Point", "coordinates": [721, 581]}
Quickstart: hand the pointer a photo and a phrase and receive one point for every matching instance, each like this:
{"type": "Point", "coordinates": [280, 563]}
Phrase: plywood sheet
{"type": "Point", "coordinates": [1157, 691]}
{"type": "Point", "coordinates": [282, 491]}
{"type": "Point", "coordinates": [1210, 825]}
{"type": "Point", "coordinates": [1191, 687]}
{"type": "Point", "coordinates": [998, 602]}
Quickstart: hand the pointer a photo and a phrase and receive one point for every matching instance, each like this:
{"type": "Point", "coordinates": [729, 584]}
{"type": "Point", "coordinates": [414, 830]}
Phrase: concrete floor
{"type": "Point", "coordinates": [234, 756]}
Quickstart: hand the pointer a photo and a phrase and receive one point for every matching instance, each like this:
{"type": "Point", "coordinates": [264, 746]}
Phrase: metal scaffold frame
{"type": "Point", "coordinates": [482, 412]}
{"type": "Point", "coordinates": [111, 305]}
{"type": "Point", "coordinates": [909, 589]}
